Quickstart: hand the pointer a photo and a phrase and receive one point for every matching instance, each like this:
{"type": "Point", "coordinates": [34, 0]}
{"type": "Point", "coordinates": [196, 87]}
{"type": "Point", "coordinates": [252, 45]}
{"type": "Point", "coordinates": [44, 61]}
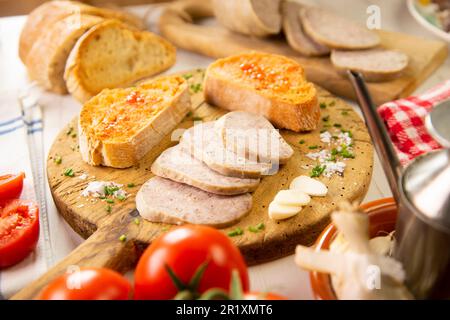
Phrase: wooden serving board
{"type": "Point", "coordinates": [177, 24]}
{"type": "Point", "coordinates": [89, 217]}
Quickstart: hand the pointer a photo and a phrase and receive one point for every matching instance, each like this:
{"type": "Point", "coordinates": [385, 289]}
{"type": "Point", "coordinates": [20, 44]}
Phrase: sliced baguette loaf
{"type": "Point", "coordinates": [266, 84]}
{"type": "Point", "coordinates": [50, 12]}
{"type": "Point", "coordinates": [374, 64]}
{"type": "Point", "coordinates": [295, 35]}
{"type": "Point", "coordinates": [119, 126]}
{"type": "Point", "coordinates": [47, 58]}
{"type": "Point", "coordinates": [251, 17]}
{"type": "Point", "coordinates": [336, 32]}
{"type": "Point", "coordinates": [111, 55]}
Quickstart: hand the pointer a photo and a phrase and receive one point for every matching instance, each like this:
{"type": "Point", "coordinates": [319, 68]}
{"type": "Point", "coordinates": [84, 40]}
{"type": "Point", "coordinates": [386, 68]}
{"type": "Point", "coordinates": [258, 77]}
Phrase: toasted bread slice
{"type": "Point", "coordinates": [119, 126]}
{"type": "Point", "coordinates": [375, 64]}
{"type": "Point", "coordinates": [252, 17]}
{"type": "Point", "coordinates": [295, 35]}
{"type": "Point", "coordinates": [110, 55]}
{"type": "Point", "coordinates": [51, 12]}
{"type": "Point", "coordinates": [336, 32]}
{"type": "Point", "coordinates": [266, 84]}
{"type": "Point", "coordinates": [47, 58]}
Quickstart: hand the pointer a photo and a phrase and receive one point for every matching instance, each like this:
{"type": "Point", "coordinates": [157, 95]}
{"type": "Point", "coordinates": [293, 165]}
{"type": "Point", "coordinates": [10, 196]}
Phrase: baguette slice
{"type": "Point", "coordinates": [266, 84]}
{"type": "Point", "coordinates": [251, 17]}
{"type": "Point", "coordinates": [374, 64]}
{"type": "Point", "coordinates": [111, 55]}
{"type": "Point", "coordinates": [336, 32]}
{"type": "Point", "coordinates": [119, 126]}
{"type": "Point", "coordinates": [47, 58]}
{"type": "Point", "coordinates": [295, 35]}
{"type": "Point", "coordinates": [50, 12]}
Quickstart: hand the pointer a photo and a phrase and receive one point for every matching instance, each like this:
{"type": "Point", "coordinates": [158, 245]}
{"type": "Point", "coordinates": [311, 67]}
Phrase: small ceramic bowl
{"type": "Point", "coordinates": [382, 217]}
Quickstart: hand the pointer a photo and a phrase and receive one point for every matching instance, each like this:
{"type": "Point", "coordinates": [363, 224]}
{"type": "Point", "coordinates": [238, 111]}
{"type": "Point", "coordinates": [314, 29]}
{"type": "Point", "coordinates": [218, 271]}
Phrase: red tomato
{"type": "Point", "coordinates": [183, 250]}
{"type": "Point", "coordinates": [19, 231]}
{"type": "Point", "coordinates": [11, 186]}
{"type": "Point", "coordinates": [88, 284]}
{"type": "Point", "coordinates": [262, 296]}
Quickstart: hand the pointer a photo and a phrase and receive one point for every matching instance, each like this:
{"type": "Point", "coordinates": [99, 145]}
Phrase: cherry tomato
{"type": "Point", "coordinates": [88, 284]}
{"type": "Point", "coordinates": [184, 250]}
{"type": "Point", "coordinates": [262, 296]}
{"type": "Point", "coordinates": [19, 231]}
{"type": "Point", "coordinates": [11, 186]}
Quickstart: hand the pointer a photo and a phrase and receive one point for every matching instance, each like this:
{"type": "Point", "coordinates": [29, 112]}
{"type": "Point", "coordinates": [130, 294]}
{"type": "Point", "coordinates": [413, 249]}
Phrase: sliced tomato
{"type": "Point", "coordinates": [262, 296]}
{"type": "Point", "coordinates": [88, 284]}
{"type": "Point", "coordinates": [11, 186]}
{"type": "Point", "coordinates": [19, 231]}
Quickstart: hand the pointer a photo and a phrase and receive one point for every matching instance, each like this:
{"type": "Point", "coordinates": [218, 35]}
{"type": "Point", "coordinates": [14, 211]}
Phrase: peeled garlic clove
{"type": "Point", "coordinates": [309, 186]}
{"type": "Point", "coordinates": [280, 212]}
{"type": "Point", "coordinates": [296, 198]}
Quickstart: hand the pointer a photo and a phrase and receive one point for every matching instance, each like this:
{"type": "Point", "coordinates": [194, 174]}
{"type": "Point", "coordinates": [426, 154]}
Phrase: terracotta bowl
{"type": "Point", "coordinates": [382, 217]}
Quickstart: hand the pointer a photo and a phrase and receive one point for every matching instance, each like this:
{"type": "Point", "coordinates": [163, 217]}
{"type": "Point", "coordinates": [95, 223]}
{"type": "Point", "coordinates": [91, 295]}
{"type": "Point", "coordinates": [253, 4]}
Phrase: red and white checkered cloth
{"type": "Point", "coordinates": [404, 119]}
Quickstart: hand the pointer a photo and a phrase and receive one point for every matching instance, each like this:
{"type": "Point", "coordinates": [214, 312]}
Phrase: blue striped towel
{"type": "Point", "coordinates": [14, 130]}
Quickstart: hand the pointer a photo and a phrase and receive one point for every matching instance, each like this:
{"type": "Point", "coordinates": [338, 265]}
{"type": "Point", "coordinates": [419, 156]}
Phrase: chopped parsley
{"type": "Point", "coordinates": [121, 197]}
{"type": "Point", "coordinates": [187, 76]}
{"type": "Point", "coordinates": [345, 153]}
{"type": "Point", "coordinates": [350, 134]}
{"type": "Point", "coordinates": [326, 118]}
{"type": "Point", "coordinates": [317, 171]}
{"type": "Point", "coordinates": [337, 125]}
{"type": "Point", "coordinates": [131, 185]}
{"type": "Point", "coordinates": [69, 172]}
{"type": "Point", "coordinates": [57, 159]}
{"type": "Point", "coordinates": [108, 209]}
{"type": "Point", "coordinates": [302, 141]}
{"type": "Point", "coordinates": [196, 87]}
{"type": "Point", "coordinates": [259, 227]}
{"type": "Point", "coordinates": [109, 191]}
{"type": "Point", "coordinates": [322, 105]}
{"type": "Point", "coordinates": [236, 232]}
{"type": "Point", "coordinates": [313, 147]}
{"type": "Point", "coordinates": [110, 201]}
{"type": "Point", "coordinates": [344, 113]}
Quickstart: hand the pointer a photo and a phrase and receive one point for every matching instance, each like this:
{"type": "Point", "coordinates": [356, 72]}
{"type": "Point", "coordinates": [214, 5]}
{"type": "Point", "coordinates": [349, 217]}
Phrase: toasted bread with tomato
{"type": "Point", "coordinates": [266, 84]}
{"type": "Point", "coordinates": [119, 126]}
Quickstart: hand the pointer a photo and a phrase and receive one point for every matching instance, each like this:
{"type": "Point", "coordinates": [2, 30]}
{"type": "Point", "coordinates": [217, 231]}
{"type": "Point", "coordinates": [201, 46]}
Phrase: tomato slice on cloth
{"type": "Point", "coordinates": [88, 284]}
{"type": "Point", "coordinates": [19, 231]}
{"type": "Point", "coordinates": [11, 186]}
{"type": "Point", "coordinates": [183, 252]}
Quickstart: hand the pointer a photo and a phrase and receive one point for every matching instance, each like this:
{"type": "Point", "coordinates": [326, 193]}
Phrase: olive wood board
{"type": "Point", "coordinates": [181, 24]}
{"type": "Point", "coordinates": [102, 229]}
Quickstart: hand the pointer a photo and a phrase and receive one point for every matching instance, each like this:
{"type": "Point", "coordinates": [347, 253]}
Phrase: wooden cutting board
{"type": "Point", "coordinates": [90, 218]}
{"type": "Point", "coordinates": [177, 24]}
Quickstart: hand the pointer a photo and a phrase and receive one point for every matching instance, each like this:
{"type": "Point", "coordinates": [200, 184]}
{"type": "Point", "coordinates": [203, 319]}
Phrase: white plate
{"type": "Point", "coordinates": [425, 23]}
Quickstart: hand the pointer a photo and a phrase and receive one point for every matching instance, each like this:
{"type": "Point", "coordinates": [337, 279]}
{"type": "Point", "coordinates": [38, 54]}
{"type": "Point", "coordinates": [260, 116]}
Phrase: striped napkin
{"type": "Point", "coordinates": [405, 120]}
{"type": "Point", "coordinates": [15, 157]}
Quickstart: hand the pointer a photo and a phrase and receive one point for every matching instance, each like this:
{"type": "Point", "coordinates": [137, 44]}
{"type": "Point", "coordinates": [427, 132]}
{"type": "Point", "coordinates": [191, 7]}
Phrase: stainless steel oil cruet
{"type": "Point", "coordinates": [422, 193]}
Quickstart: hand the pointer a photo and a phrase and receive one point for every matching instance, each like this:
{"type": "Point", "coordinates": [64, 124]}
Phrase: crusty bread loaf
{"type": "Point", "coordinates": [111, 55]}
{"type": "Point", "coordinates": [119, 126]}
{"type": "Point", "coordinates": [336, 32]}
{"type": "Point", "coordinates": [266, 84]}
{"type": "Point", "coordinates": [47, 58]}
{"type": "Point", "coordinates": [252, 17]}
{"type": "Point", "coordinates": [374, 64]}
{"type": "Point", "coordinates": [295, 35]}
{"type": "Point", "coordinates": [50, 12]}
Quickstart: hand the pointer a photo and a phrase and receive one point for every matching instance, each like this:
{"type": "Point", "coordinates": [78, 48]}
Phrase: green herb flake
{"type": "Point", "coordinates": [323, 105]}
{"type": "Point", "coordinates": [347, 154]}
{"type": "Point", "coordinates": [332, 103]}
{"type": "Point", "coordinates": [334, 152]}
{"type": "Point", "coordinates": [109, 191]}
{"type": "Point", "coordinates": [108, 209]}
{"type": "Point", "coordinates": [337, 125]}
{"type": "Point", "coordinates": [131, 185]}
{"type": "Point", "coordinates": [110, 201]}
{"type": "Point", "coordinates": [187, 76]}
{"type": "Point", "coordinates": [197, 87]}
{"type": "Point", "coordinates": [57, 159]}
{"type": "Point", "coordinates": [123, 238]}
{"type": "Point", "coordinates": [121, 197]}
{"type": "Point", "coordinates": [236, 232]}
{"type": "Point", "coordinates": [302, 141]}
{"type": "Point", "coordinates": [313, 147]}
{"type": "Point", "coordinates": [317, 171]}
{"type": "Point", "coordinates": [137, 221]}
{"type": "Point", "coordinates": [69, 172]}
{"type": "Point", "coordinates": [350, 134]}
{"type": "Point", "coordinates": [259, 227]}
{"type": "Point", "coordinates": [326, 118]}
{"type": "Point", "coordinates": [344, 113]}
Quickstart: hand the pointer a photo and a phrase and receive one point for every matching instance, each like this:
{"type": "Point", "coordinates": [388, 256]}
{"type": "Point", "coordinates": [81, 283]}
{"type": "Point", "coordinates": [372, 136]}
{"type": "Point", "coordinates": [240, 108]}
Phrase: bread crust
{"type": "Point", "coordinates": [232, 95]}
{"type": "Point", "coordinates": [114, 154]}
{"type": "Point", "coordinates": [74, 71]}
{"type": "Point", "coordinates": [51, 12]}
{"type": "Point", "coordinates": [47, 58]}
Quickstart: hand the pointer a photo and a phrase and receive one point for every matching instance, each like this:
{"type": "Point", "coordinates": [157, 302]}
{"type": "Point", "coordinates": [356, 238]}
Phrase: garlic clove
{"type": "Point", "coordinates": [296, 198]}
{"type": "Point", "coordinates": [309, 186]}
{"type": "Point", "coordinates": [280, 212]}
